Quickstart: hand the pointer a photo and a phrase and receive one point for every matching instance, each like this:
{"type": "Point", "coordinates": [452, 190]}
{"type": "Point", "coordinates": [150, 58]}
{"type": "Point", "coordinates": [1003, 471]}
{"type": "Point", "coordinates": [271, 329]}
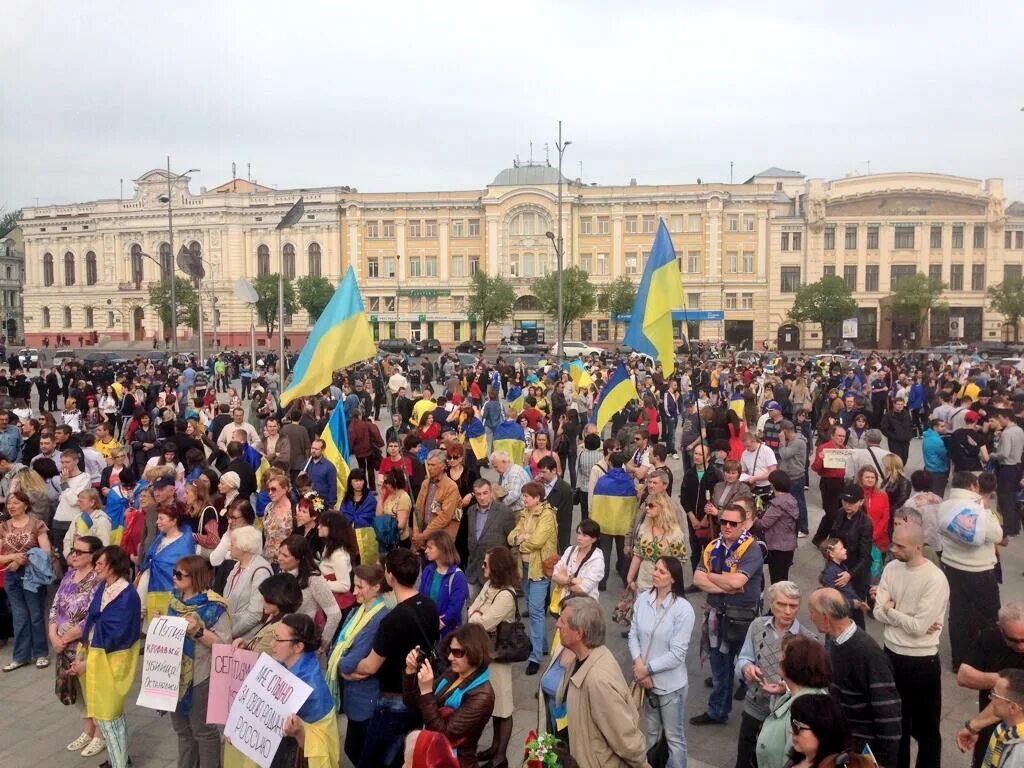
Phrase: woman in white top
{"type": "Point", "coordinates": [581, 567]}
{"type": "Point", "coordinates": [339, 542]}
{"type": "Point", "coordinates": [294, 556]}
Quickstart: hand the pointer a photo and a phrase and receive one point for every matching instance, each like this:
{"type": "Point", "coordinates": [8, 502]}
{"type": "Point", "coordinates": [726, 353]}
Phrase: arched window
{"type": "Point", "coordinates": [67, 317]}
{"type": "Point", "coordinates": [527, 303]}
{"type": "Point", "coordinates": [46, 315]}
{"type": "Point", "coordinates": [196, 250]}
{"type": "Point", "coordinates": [263, 260]}
{"type": "Point", "coordinates": [137, 264]}
{"type": "Point", "coordinates": [166, 261]}
{"type": "Point", "coordinates": [289, 261]}
{"type": "Point", "coordinates": [47, 269]}
{"type": "Point", "coordinates": [314, 260]}
{"type": "Point", "coordinates": [69, 268]}
{"type": "Point", "coordinates": [91, 275]}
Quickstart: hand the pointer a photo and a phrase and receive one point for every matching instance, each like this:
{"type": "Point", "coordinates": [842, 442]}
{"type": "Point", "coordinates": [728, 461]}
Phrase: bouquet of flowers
{"type": "Point", "coordinates": [543, 751]}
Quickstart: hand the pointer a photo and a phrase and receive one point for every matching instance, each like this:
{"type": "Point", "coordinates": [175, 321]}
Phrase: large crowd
{"type": "Point", "coordinates": [408, 587]}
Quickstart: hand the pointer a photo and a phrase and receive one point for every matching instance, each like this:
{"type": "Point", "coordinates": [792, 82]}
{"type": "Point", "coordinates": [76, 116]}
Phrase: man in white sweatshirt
{"type": "Point", "coordinates": [911, 603]}
{"type": "Point", "coordinates": [969, 534]}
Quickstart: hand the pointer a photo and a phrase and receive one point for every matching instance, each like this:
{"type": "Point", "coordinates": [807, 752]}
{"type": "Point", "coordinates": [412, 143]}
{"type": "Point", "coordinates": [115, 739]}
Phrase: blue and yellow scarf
{"type": "Point", "coordinates": [207, 608]}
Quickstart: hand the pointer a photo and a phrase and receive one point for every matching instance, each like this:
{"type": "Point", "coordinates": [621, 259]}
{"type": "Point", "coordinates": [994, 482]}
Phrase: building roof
{"type": "Point", "coordinates": [775, 173]}
{"type": "Point", "coordinates": [1015, 208]}
{"type": "Point", "coordinates": [527, 174]}
{"type": "Point", "coordinates": [241, 185]}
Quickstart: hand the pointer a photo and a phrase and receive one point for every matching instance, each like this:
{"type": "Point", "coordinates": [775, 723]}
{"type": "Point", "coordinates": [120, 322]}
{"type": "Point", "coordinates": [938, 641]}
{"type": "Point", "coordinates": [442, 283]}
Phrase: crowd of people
{"type": "Point", "coordinates": [410, 586]}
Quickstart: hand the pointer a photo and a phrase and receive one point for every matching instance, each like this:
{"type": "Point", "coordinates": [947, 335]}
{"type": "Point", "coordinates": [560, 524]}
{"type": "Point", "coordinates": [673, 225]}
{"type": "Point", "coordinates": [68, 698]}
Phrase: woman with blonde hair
{"type": "Point", "coordinates": [72, 417]}
{"type": "Point", "coordinates": [278, 517]}
{"type": "Point", "coordinates": [659, 535]}
{"type": "Point", "coordinates": [203, 514]}
{"type": "Point", "coordinates": [32, 484]}
{"type": "Point", "coordinates": [91, 520]}
{"type": "Point", "coordinates": [895, 483]}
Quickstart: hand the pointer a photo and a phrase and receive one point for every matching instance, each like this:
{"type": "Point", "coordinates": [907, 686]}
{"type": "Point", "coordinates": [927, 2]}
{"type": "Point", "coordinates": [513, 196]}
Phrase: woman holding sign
{"type": "Point", "coordinates": [208, 622]}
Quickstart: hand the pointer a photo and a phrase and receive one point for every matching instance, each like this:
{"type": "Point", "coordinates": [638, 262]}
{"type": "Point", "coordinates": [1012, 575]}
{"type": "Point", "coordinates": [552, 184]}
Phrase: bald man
{"type": "Point", "coordinates": [911, 603]}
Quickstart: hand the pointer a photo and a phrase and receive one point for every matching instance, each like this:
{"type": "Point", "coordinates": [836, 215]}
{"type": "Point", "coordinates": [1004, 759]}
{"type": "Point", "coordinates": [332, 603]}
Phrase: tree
{"type": "Point", "coordinates": [914, 297]}
{"type": "Point", "coordinates": [185, 299]}
{"type": "Point", "coordinates": [315, 294]}
{"type": "Point", "coordinates": [491, 299]}
{"type": "Point", "coordinates": [617, 297]}
{"type": "Point", "coordinates": [266, 301]}
{"type": "Point", "coordinates": [8, 221]}
{"type": "Point", "coordinates": [577, 295]}
{"type": "Point", "coordinates": [827, 302]}
{"type": "Point", "coordinates": [1007, 298]}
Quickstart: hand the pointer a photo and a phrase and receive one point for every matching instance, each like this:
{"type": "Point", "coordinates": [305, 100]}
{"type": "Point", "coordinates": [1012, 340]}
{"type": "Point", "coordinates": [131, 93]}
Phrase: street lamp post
{"type": "Point", "coordinates": [558, 242]}
{"type": "Point", "coordinates": [170, 243]}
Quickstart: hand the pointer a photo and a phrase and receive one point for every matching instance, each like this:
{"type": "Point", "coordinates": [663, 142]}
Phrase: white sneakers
{"type": "Point", "coordinates": [89, 746]}
{"type": "Point", "coordinates": [79, 743]}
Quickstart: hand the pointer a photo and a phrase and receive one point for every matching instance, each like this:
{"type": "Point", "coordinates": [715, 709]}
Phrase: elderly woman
{"type": "Point", "coordinates": [465, 689]}
{"type": "Point", "coordinates": [281, 596]}
{"type": "Point", "coordinates": [91, 520]}
{"type": "Point", "coordinates": [758, 662]}
{"type": "Point", "coordinates": [295, 557]}
{"type": "Point", "coordinates": [20, 535]}
{"type": "Point", "coordinates": [241, 591]}
{"type": "Point", "coordinates": [535, 537]}
{"type": "Point", "coordinates": [173, 542]}
{"type": "Point", "coordinates": [109, 651]}
{"type": "Point", "coordinates": [658, 535]}
{"type": "Point", "coordinates": [67, 622]}
{"type": "Point", "coordinates": [208, 622]}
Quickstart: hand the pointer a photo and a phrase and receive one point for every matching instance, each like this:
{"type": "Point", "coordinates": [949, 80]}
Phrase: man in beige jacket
{"type": "Point", "coordinates": [604, 730]}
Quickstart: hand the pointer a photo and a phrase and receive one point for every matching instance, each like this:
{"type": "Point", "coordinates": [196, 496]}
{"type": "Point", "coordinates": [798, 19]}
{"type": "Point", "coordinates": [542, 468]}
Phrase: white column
{"type": "Point", "coordinates": [714, 237]}
{"type": "Point", "coordinates": [353, 249]}
{"type": "Point", "coordinates": [762, 245]}
{"type": "Point", "coordinates": [493, 267]}
{"type": "Point", "coordinates": [400, 246]}
{"type": "Point", "coordinates": [442, 256]}
{"type": "Point", "coordinates": [618, 266]}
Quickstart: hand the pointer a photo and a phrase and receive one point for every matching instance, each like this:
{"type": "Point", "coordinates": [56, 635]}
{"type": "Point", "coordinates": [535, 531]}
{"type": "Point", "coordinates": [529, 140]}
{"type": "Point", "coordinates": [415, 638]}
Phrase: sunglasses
{"type": "Point", "coordinates": [179, 574]}
{"type": "Point", "coordinates": [457, 653]}
{"type": "Point", "coordinates": [75, 551]}
{"type": "Point", "coordinates": [796, 726]}
{"type": "Point", "coordinates": [729, 523]}
{"type": "Point", "coordinates": [651, 505]}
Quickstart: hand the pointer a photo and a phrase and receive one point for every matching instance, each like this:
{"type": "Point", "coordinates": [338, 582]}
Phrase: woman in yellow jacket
{"type": "Point", "coordinates": [536, 537]}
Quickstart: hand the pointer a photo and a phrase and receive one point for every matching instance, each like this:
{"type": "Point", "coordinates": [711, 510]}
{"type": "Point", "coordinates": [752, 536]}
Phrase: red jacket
{"type": "Point", "coordinates": [876, 505]}
{"type": "Point", "coordinates": [818, 465]}
{"type": "Point", "coordinates": [364, 438]}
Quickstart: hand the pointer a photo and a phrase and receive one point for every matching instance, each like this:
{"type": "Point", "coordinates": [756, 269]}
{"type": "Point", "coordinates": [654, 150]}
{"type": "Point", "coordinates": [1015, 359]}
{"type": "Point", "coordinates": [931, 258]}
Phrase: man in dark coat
{"type": "Point", "coordinates": [489, 523]}
{"type": "Point", "coordinates": [898, 428]}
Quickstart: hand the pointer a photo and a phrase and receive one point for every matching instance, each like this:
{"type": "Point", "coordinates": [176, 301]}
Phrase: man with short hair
{"type": "Point", "coordinates": [238, 422]}
{"type": "Point", "coordinates": [323, 475]}
{"type": "Point", "coordinates": [757, 462]}
{"type": "Point", "coordinates": [559, 495]}
{"type": "Point", "coordinates": [604, 728]}
{"type": "Point", "coordinates": [1005, 715]}
{"type": "Point", "coordinates": [1008, 470]}
{"type": "Point", "coordinates": [639, 464]}
{"type": "Point", "coordinates": [94, 461]}
{"type": "Point", "coordinates": [936, 455]}
{"type": "Point", "coordinates": [771, 432]}
{"type": "Point", "coordinates": [9, 467]}
{"type": "Point", "coordinates": [299, 441]}
{"type": "Point", "coordinates": [72, 482]}
{"type": "Point", "coordinates": [488, 525]}
{"type": "Point", "coordinates": [793, 453]}
{"type": "Point", "coordinates": [10, 436]}
{"type": "Point", "coordinates": [30, 441]}
{"type": "Point", "coordinates": [47, 449]}
{"type": "Point", "coordinates": [436, 503]}
{"type": "Point", "coordinates": [854, 525]}
{"type": "Point", "coordinates": [911, 602]}
{"type": "Point", "coordinates": [870, 456]}
{"type": "Point", "coordinates": [898, 428]}
{"type": "Point", "coordinates": [862, 678]}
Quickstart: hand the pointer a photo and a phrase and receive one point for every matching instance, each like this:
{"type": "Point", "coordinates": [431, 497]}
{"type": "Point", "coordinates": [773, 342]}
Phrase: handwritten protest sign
{"type": "Point", "coordinates": [256, 720]}
{"type": "Point", "coordinates": [161, 663]}
{"type": "Point", "coordinates": [228, 669]}
{"type": "Point", "coordinates": [835, 458]}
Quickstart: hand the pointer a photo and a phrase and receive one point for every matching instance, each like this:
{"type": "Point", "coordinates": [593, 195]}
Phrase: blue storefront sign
{"type": "Point", "coordinates": [691, 315]}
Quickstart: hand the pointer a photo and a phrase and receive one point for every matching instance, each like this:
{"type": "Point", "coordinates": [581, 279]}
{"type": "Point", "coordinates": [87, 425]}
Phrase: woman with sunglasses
{"type": "Point", "coordinates": [659, 535]}
{"type": "Point", "coordinates": [67, 622]}
{"type": "Point", "coordinates": [203, 514]}
{"type": "Point", "coordinates": [91, 520]}
{"type": "Point", "coordinates": [464, 688]}
{"type": "Point", "coordinates": [821, 735]}
{"type": "Point", "coordinates": [278, 517]}
{"type": "Point", "coordinates": [805, 668]}
{"type": "Point", "coordinates": [208, 622]}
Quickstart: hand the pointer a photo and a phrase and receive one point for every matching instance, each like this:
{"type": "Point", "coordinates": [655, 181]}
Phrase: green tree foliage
{"type": "Point", "coordinates": [915, 297]}
{"type": "Point", "coordinates": [8, 221]}
{"type": "Point", "coordinates": [1007, 298]}
{"type": "Point", "coordinates": [578, 295]}
{"type": "Point", "coordinates": [266, 301]}
{"type": "Point", "coordinates": [827, 302]}
{"type": "Point", "coordinates": [314, 294]}
{"type": "Point", "coordinates": [185, 299]}
{"type": "Point", "coordinates": [490, 300]}
{"type": "Point", "coordinates": [617, 297]}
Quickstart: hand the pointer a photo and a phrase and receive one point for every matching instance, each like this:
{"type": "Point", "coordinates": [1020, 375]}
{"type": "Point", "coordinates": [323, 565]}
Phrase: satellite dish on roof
{"type": "Point", "coordinates": [245, 292]}
{"type": "Point", "coordinates": [191, 264]}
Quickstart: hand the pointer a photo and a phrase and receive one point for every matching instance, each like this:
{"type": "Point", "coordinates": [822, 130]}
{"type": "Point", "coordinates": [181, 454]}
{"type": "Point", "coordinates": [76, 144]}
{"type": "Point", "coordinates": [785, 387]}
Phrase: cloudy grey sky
{"type": "Point", "coordinates": [422, 96]}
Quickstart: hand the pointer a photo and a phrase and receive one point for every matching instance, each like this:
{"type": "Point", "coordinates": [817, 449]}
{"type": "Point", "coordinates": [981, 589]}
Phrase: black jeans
{"type": "Point", "coordinates": [384, 745]}
{"type": "Point", "coordinates": [746, 748]}
{"type": "Point", "coordinates": [1008, 479]}
{"type": "Point", "coordinates": [919, 682]}
{"type": "Point", "coordinates": [831, 488]}
{"type": "Point", "coordinates": [621, 562]}
{"type": "Point", "coordinates": [973, 606]}
{"type": "Point", "coordinates": [778, 562]}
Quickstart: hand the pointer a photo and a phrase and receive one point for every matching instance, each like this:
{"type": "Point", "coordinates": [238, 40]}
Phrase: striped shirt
{"type": "Point", "coordinates": [585, 463]}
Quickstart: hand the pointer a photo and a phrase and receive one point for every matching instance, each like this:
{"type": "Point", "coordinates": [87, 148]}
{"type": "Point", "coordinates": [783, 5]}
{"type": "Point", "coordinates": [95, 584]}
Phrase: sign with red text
{"type": "Point", "coordinates": [161, 663]}
{"type": "Point", "coordinates": [269, 694]}
{"type": "Point", "coordinates": [229, 667]}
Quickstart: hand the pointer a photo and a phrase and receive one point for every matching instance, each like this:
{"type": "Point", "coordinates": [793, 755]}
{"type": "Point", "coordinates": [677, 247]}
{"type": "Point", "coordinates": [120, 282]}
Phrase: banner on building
{"type": "Point", "coordinates": [956, 327]}
{"type": "Point", "coordinates": [850, 328]}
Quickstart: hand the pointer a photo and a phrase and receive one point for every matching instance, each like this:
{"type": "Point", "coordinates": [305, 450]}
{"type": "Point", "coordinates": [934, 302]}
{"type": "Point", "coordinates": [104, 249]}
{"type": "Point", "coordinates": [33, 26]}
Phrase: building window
{"type": "Point", "coordinates": [675, 222]}
{"type": "Point", "coordinates": [431, 304]}
{"type": "Point", "coordinates": [790, 279]}
{"type": "Point", "coordinates": [631, 263]}
{"type": "Point", "coordinates": [871, 277]}
{"type": "Point", "coordinates": [935, 273]}
{"type": "Point", "coordinates": [693, 262]}
{"type": "Point", "coordinates": [797, 238]}
{"type": "Point", "coordinates": [898, 273]}
{"type": "Point", "coordinates": [67, 317]}
{"type": "Point", "coordinates": [456, 331]}
{"type": "Point", "coordinates": [458, 267]}
{"type": "Point", "coordinates": [390, 303]}
{"type": "Point", "coordinates": [873, 238]}
{"type": "Point", "coordinates": [747, 301]}
{"type": "Point", "coordinates": [474, 227]}
{"type": "Point", "coordinates": [850, 243]}
{"type": "Point", "coordinates": [587, 225]}
{"type": "Point", "coordinates": [374, 303]}
{"type": "Point", "coordinates": [288, 256]}
{"type": "Point", "coordinates": [414, 228]}
{"type": "Point", "coordinates": [730, 301]}
{"type": "Point", "coordinates": [457, 228]}
{"type": "Point", "coordinates": [693, 222]}
{"type": "Point", "coordinates": [732, 222]}
{"type": "Point", "coordinates": [693, 301]}
{"type": "Point", "coordinates": [430, 266]}
{"type": "Point", "coordinates": [630, 225]}
{"type": "Point", "coordinates": [430, 228]}
{"type": "Point", "coordinates": [89, 317]}
{"type": "Point", "coordinates": [830, 238]}
{"type": "Point", "coordinates": [904, 237]}
{"type": "Point", "coordinates": [602, 225]}
{"type": "Point", "coordinates": [956, 277]}
{"type": "Point", "coordinates": [387, 229]}
{"type": "Point", "coordinates": [1007, 239]}
{"type": "Point", "coordinates": [110, 319]}
{"type": "Point", "coordinates": [415, 267]}
{"type": "Point", "coordinates": [935, 240]}
{"type": "Point", "coordinates": [314, 260]}
{"type": "Point", "coordinates": [958, 236]}
{"type": "Point", "coordinates": [372, 230]}
{"type": "Point", "coordinates": [388, 268]}
{"type": "Point", "coordinates": [263, 260]}
{"type": "Point", "coordinates": [1018, 239]}
{"type": "Point", "coordinates": [650, 224]}
{"type": "Point", "coordinates": [602, 264]}
{"type": "Point", "coordinates": [1012, 272]}
{"type": "Point", "coordinates": [979, 235]}
{"type": "Point", "coordinates": [829, 270]}
{"type": "Point", "coordinates": [748, 222]}
{"type": "Point", "coordinates": [602, 330]}
{"type": "Point", "coordinates": [69, 268]}
{"type": "Point", "coordinates": [731, 261]}
{"type": "Point", "coordinates": [46, 317]}
{"type": "Point", "coordinates": [850, 276]}
{"type": "Point", "coordinates": [166, 261]}
{"type": "Point", "coordinates": [785, 241]}
{"type": "Point", "coordinates": [91, 275]}
{"type": "Point", "coordinates": [587, 330]}
{"type": "Point", "coordinates": [977, 277]}
{"type": "Point", "coordinates": [48, 269]}
{"type": "Point", "coordinates": [586, 262]}
{"type": "Point", "coordinates": [748, 262]}
{"type": "Point", "coordinates": [372, 267]}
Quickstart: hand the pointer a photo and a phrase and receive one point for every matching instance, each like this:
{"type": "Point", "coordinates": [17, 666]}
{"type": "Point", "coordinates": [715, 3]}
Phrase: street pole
{"type": "Point", "coordinates": [398, 294]}
{"type": "Point", "coordinates": [170, 245]}
{"type": "Point", "coordinates": [252, 338]}
{"type": "Point", "coordinates": [559, 249]}
{"type": "Point", "coordinates": [280, 320]}
{"type": "Point", "coordinates": [199, 302]}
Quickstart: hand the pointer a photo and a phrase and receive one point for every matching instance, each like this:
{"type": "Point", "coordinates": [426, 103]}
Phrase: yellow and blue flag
{"type": "Point", "coordinates": [510, 437]}
{"type": "Point", "coordinates": [113, 653]}
{"type": "Point", "coordinates": [619, 391]}
{"type": "Point", "coordinates": [340, 338]}
{"type": "Point", "coordinates": [335, 437]}
{"type": "Point", "coordinates": [516, 399]}
{"type": "Point", "coordinates": [474, 434]}
{"type": "Point", "coordinates": [660, 291]}
{"type": "Point", "coordinates": [613, 502]}
{"type": "Point", "coordinates": [580, 376]}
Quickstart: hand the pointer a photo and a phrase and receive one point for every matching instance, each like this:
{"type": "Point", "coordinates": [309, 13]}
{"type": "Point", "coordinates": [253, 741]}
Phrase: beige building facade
{"type": "Point", "coordinates": [743, 249]}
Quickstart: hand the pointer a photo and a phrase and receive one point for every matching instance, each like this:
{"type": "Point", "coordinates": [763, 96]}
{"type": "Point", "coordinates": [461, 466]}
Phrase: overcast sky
{"type": "Point", "coordinates": [431, 96]}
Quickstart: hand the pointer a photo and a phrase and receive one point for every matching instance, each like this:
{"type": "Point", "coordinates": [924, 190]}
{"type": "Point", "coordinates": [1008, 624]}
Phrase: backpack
{"type": "Point", "coordinates": [386, 528]}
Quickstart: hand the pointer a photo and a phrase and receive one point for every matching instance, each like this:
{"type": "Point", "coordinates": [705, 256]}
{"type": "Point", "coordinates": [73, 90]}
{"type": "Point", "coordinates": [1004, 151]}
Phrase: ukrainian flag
{"type": "Point", "coordinates": [510, 437]}
{"type": "Point", "coordinates": [580, 376]}
{"type": "Point", "coordinates": [335, 437]}
{"type": "Point", "coordinates": [115, 507]}
{"type": "Point", "coordinates": [613, 502]}
{"type": "Point", "coordinates": [340, 338]}
{"type": "Point", "coordinates": [516, 399]}
{"type": "Point", "coordinates": [618, 392]}
{"type": "Point", "coordinates": [473, 433]}
{"type": "Point", "coordinates": [661, 291]}
{"type": "Point", "coordinates": [113, 653]}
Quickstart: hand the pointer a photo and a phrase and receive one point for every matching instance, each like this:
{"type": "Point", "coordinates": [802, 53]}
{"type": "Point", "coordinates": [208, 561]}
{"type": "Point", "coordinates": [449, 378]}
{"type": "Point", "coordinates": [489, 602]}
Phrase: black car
{"type": "Point", "coordinates": [474, 346]}
{"type": "Point", "coordinates": [398, 346]}
{"type": "Point", "coordinates": [431, 346]}
{"type": "Point", "coordinates": [995, 349]}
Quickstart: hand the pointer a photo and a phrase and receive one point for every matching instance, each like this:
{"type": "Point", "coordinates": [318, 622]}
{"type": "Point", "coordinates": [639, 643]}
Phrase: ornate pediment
{"type": "Point", "coordinates": [152, 184]}
{"type": "Point", "coordinates": [906, 205]}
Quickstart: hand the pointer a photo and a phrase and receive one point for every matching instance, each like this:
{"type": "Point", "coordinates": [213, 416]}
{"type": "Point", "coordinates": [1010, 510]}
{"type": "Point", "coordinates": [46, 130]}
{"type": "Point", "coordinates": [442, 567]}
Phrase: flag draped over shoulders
{"type": "Point", "coordinates": [113, 635]}
{"type": "Point", "coordinates": [613, 502]}
{"type": "Point", "coordinates": [510, 437]}
{"type": "Point", "coordinates": [618, 392]}
{"type": "Point", "coordinates": [474, 434]}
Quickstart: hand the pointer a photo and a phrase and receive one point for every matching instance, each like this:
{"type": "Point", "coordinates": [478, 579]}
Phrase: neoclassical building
{"type": "Point", "coordinates": [743, 250]}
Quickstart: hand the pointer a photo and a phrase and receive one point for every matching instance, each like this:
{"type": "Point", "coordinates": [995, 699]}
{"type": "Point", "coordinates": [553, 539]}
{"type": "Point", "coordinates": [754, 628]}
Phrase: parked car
{"type": "Point", "coordinates": [952, 348]}
{"type": "Point", "coordinates": [106, 358]}
{"type": "Point", "coordinates": [467, 359]}
{"type": "Point", "coordinates": [475, 346]}
{"type": "Point", "coordinates": [576, 349]}
{"type": "Point", "coordinates": [1016, 363]}
{"type": "Point", "coordinates": [28, 357]}
{"type": "Point", "coordinates": [59, 358]}
{"type": "Point", "coordinates": [510, 348]}
{"type": "Point", "coordinates": [431, 346]}
{"type": "Point", "coordinates": [398, 346]}
{"type": "Point", "coordinates": [992, 349]}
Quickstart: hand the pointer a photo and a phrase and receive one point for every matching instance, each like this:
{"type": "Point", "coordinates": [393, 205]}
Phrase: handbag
{"type": "Point", "coordinates": [511, 640]}
{"type": "Point", "coordinates": [386, 528]}
{"type": "Point", "coordinates": [64, 686]}
{"type": "Point", "coordinates": [737, 620]}
{"type": "Point", "coordinates": [548, 564]}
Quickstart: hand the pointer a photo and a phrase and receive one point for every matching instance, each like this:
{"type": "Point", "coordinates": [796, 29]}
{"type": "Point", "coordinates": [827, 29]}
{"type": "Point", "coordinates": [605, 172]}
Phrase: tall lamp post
{"type": "Point", "coordinates": [170, 243]}
{"type": "Point", "coordinates": [557, 241]}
